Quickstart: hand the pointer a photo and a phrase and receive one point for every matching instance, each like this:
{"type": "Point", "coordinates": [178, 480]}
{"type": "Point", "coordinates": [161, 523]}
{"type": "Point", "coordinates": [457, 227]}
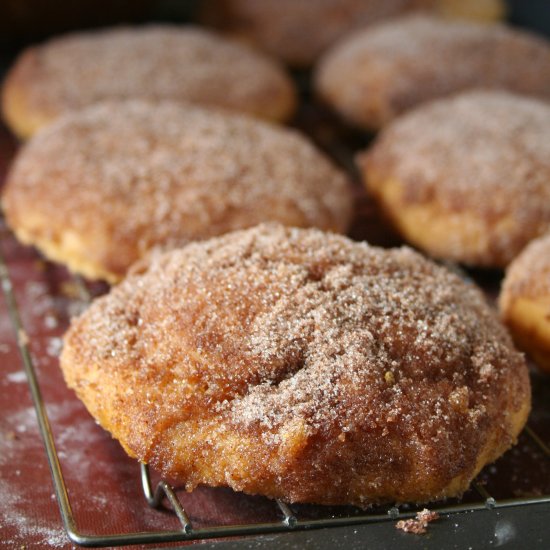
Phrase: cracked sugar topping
{"type": "Point", "coordinates": [272, 327]}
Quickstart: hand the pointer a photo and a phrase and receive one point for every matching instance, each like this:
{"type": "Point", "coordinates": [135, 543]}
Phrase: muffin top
{"type": "Point", "coordinates": [152, 62]}
{"type": "Point", "coordinates": [273, 359]}
{"type": "Point", "coordinates": [484, 153]}
{"type": "Point", "coordinates": [380, 72]}
{"type": "Point", "coordinates": [114, 180]}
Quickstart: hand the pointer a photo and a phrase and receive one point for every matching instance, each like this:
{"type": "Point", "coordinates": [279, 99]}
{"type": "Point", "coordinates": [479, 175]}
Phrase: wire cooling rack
{"type": "Point", "coordinates": [155, 497]}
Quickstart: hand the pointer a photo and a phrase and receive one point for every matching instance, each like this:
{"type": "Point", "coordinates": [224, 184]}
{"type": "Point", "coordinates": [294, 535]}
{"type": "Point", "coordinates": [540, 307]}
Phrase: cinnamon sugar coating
{"type": "Point", "coordinates": [298, 31]}
{"type": "Point", "coordinates": [101, 187]}
{"type": "Point", "coordinates": [153, 62]}
{"type": "Point", "coordinates": [466, 178]}
{"type": "Point", "coordinates": [258, 360]}
{"type": "Point", "coordinates": [378, 73]}
{"type": "Point", "coordinates": [525, 300]}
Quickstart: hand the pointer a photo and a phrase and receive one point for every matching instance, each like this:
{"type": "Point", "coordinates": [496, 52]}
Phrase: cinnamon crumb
{"type": "Point", "coordinates": [419, 525]}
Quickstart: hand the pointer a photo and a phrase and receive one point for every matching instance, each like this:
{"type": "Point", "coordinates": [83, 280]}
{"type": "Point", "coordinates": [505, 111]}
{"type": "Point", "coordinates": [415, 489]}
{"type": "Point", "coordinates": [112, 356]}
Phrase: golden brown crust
{"type": "Point", "coordinates": [524, 301]}
{"type": "Point", "coordinates": [154, 62]}
{"type": "Point", "coordinates": [475, 10]}
{"type": "Point", "coordinates": [298, 31]}
{"type": "Point", "coordinates": [101, 187]}
{"type": "Point", "coordinates": [466, 178]}
{"type": "Point", "coordinates": [376, 74]}
{"type": "Point", "coordinates": [301, 365]}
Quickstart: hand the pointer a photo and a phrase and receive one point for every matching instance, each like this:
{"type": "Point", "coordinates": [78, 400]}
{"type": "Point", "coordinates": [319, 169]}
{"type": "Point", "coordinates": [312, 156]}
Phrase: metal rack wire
{"type": "Point", "coordinates": [154, 497]}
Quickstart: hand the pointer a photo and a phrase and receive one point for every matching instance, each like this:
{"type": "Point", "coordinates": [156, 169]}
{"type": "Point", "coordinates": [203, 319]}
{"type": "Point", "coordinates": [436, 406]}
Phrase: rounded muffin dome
{"type": "Point", "coordinates": [466, 178]}
{"type": "Point", "coordinates": [300, 365]}
{"type": "Point", "coordinates": [155, 62]}
{"type": "Point", "coordinates": [525, 300]}
{"type": "Point", "coordinates": [378, 73]}
{"type": "Point", "coordinates": [101, 187]}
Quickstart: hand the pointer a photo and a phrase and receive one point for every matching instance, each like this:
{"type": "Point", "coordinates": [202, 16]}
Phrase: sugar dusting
{"type": "Point", "coordinates": [73, 442]}
{"type": "Point", "coordinates": [153, 62]}
{"type": "Point", "coordinates": [381, 350]}
{"type": "Point", "coordinates": [390, 68]}
{"type": "Point", "coordinates": [16, 499]}
{"type": "Point", "coordinates": [488, 149]}
{"type": "Point", "coordinates": [206, 173]}
{"type": "Point", "coordinates": [16, 377]}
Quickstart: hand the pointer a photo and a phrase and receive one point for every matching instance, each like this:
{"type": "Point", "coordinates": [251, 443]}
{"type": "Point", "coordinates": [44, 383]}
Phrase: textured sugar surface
{"type": "Point", "coordinates": [451, 53]}
{"type": "Point", "coordinates": [206, 172]}
{"type": "Point", "coordinates": [485, 154]}
{"type": "Point", "coordinates": [488, 148]}
{"type": "Point", "coordinates": [152, 62]}
{"type": "Point", "coordinates": [301, 326]}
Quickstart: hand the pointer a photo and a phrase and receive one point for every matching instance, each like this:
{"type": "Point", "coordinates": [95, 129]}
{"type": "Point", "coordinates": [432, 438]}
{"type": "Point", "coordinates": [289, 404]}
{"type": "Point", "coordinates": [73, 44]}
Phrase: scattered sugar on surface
{"type": "Point", "coordinates": [27, 529]}
{"type": "Point", "coordinates": [73, 442]}
{"type": "Point", "coordinates": [16, 377]}
{"type": "Point", "coordinates": [14, 504]}
{"type": "Point", "coordinates": [54, 346]}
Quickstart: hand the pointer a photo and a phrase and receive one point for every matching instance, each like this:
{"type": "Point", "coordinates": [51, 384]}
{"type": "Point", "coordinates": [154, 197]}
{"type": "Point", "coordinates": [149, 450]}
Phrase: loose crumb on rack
{"type": "Point", "coordinates": [22, 337]}
{"type": "Point", "coordinates": [418, 525]}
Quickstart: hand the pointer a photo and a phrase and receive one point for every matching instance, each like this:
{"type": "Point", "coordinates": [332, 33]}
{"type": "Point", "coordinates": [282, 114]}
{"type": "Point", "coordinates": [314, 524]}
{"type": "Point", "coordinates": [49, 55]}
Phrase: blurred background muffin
{"type": "Point", "coordinates": [298, 31]}
{"type": "Point", "coordinates": [26, 21]}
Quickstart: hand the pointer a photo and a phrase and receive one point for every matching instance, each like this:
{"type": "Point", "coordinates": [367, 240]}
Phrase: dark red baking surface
{"type": "Point", "coordinates": [103, 483]}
